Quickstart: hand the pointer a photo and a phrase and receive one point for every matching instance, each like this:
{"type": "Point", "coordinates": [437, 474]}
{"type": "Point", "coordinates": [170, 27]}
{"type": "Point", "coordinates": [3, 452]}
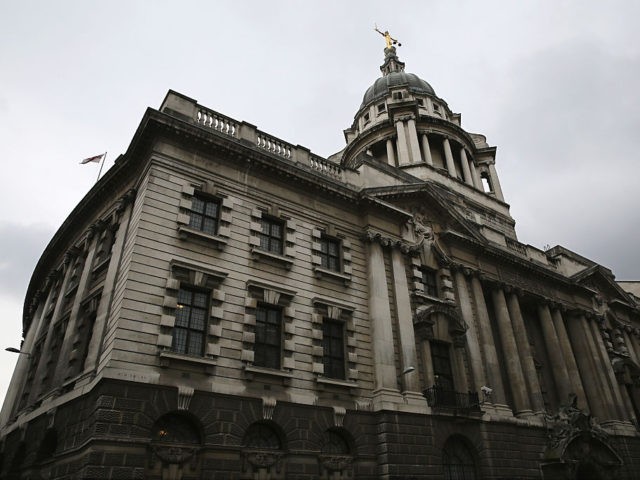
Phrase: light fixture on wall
{"type": "Point", "coordinates": [15, 350]}
{"type": "Point", "coordinates": [486, 393]}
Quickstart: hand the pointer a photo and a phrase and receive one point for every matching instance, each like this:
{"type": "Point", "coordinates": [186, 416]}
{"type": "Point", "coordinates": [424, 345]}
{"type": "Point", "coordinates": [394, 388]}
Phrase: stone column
{"type": "Point", "coordinates": [478, 378]}
{"type": "Point", "coordinates": [568, 355]}
{"type": "Point", "coordinates": [391, 154]}
{"type": "Point", "coordinates": [610, 381]}
{"type": "Point", "coordinates": [494, 377]}
{"type": "Point", "coordinates": [403, 147]}
{"type": "Point", "coordinates": [65, 350]}
{"type": "Point", "coordinates": [409, 381]}
{"type": "Point", "coordinates": [451, 167]}
{"type": "Point", "coordinates": [106, 298]}
{"type": "Point", "coordinates": [477, 181]}
{"type": "Point", "coordinates": [495, 183]}
{"type": "Point", "coordinates": [558, 364]}
{"type": "Point", "coordinates": [526, 358]}
{"type": "Point", "coordinates": [413, 141]}
{"type": "Point", "coordinates": [510, 349]}
{"type": "Point", "coordinates": [466, 172]}
{"type": "Point", "coordinates": [426, 149]}
{"type": "Point", "coordinates": [380, 318]}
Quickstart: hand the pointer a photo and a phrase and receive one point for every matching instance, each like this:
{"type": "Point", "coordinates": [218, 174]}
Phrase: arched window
{"type": "Point", "coordinates": [174, 447]}
{"type": "Point", "coordinates": [263, 453]}
{"type": "Point", "coordinates": [457, 460]}
{"type": "Point", "coordinates": [335, 444]}
{"type": "Point", "coordinates": [175, 428]}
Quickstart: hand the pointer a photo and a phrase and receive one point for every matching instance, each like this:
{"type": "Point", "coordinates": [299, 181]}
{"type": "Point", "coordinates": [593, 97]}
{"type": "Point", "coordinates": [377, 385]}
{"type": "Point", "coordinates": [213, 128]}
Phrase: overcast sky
{"type": "Point", "coordinates": [554, 84]}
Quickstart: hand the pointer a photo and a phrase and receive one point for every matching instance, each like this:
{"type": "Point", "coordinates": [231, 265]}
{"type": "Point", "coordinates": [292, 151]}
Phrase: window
{"type": "Point", "coordinates": [429, 282]}
{"type": "Point", "coordinates": [442, 366]}
{"type": "Point", "coordinates": [367, 118]}
{"type": "Point", "coordinates": [382, 107]}
{"type": "Point", "coordinates": [271, 235]}
{"type": "Point", "coordinates": [330, 253]}
{"type": "Point", "coordinates": [268, 339]}
{"type": "Point", "coordinates": [261, 436]}
{"type": "Point", "coordinates": [191, 322]}
{"type": "Point", "coordinates": [421, 102]}
{"type": "Point", "coordinates": [333, 348]}
{"type": "Point", "coordinates": [204, 214]}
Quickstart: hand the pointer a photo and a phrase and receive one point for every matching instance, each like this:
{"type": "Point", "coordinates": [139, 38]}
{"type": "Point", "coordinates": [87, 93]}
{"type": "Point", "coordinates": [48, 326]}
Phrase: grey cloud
{"type": "Point", "coordinates": [21, 247]}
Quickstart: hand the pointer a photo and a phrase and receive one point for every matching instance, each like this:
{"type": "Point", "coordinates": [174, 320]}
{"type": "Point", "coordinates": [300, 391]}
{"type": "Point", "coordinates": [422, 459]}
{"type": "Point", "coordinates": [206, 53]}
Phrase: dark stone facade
{"type": "Point", "coordinates": [108, 433]}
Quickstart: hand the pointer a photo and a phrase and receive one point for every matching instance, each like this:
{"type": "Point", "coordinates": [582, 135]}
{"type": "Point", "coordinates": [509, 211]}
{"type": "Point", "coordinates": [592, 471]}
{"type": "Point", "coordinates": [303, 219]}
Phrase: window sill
{"type": "Point", "coordinates": [250, 371]}
{"type": "Point", "coordinates": [322, 381]}
{"type": "Point", "coordinates": [276, 257]}
{"type": "Point", "coordinates": [187, 232]}
{"type": "Point", "coordinates": [166, 358]}
{"type": "Point", "coordinates": [101, 265]}
{"type": "Point", "coordinates": [320, 272]}
{"type": "Point", "coordinates": [423, 297]}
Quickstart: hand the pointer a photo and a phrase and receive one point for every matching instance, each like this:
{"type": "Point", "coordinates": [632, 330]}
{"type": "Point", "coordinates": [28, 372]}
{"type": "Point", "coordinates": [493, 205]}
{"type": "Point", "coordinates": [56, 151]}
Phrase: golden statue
{"type": "Point", "coordinates": [388, 38]}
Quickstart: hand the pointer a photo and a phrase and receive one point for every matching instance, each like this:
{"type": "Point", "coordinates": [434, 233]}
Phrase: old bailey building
{"type": "Point", "coordinates": [223, 304]}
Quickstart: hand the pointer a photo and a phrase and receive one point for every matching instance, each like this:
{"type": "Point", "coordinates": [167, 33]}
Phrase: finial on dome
{"type": "Point", "coordinates": [391, 62]}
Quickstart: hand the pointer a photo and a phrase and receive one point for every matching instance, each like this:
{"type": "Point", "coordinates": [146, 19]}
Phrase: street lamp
{"type": "Point", "coordinates": [15, 350]}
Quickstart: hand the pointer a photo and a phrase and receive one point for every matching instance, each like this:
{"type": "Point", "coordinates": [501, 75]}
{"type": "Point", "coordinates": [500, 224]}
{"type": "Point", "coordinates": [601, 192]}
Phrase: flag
{"type": "Point", "coordinates": [96, 159]}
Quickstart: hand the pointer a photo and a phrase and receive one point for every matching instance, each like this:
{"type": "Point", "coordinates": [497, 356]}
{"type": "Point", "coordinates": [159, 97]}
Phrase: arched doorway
{"type": "Point", "coordinates": [175, 443]}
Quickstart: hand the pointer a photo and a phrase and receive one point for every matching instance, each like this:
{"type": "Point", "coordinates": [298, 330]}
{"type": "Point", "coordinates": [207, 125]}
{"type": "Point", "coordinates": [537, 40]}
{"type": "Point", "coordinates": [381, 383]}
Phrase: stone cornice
{"type": "Point", "coordinates": [386, 240]}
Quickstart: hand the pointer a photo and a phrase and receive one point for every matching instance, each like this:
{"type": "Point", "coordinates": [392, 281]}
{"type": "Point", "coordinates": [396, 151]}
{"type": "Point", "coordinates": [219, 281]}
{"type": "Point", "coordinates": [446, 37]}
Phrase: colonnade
{"type": "Point", "coordinates": [499, 357]}
{"type": "Point", "coordinates": [408, 143]}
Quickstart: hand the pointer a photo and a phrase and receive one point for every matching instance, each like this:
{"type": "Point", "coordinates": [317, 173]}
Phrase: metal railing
{"type": "Point", "coordinates": [438, 397]}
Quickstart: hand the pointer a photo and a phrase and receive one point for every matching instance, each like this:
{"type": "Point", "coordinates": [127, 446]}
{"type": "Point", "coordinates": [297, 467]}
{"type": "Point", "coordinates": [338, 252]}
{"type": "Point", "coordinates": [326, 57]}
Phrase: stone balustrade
{"type": "Point", "coordinates": [187, 108]}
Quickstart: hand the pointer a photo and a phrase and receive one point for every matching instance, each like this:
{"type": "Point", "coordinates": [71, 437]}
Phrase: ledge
{"type": "Point", "coordinates": [102, 265]}
{"type": "Point", "coordinates": [335, 382]}
{"type": "Point", "coordinates": [424, 297]}
{"type": "Point", "coordinates": [250, 371]}
{"type": "Point", "coordinates": [187, 232]}
{"type": "Point", "coordinates": [167, 357]}
{"type": "Point", "coordinates": [320, 272]}
{"type": "Point", "coordinates": [259, 254]}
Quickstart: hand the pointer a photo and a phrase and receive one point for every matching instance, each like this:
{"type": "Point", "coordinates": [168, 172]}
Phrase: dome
{"type": "Point", "coordinates": [382, 85]}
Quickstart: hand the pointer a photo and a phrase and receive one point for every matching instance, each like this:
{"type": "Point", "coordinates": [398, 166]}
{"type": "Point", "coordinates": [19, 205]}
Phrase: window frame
{"type": "Point", "coordinates": [263, 348]}
{"type": "Point", "coordinates": [326, 242]}
{"type": "Point", "coordinates": [189, 329]}
{"type": "Point", "coordinates": [271, 221]}
{"type": "Point", "coordinates": [334, 360]}
{"type": "Point", "coordinates": [193, 213]}
{"type": "Point", "coordinates": [430, 288]}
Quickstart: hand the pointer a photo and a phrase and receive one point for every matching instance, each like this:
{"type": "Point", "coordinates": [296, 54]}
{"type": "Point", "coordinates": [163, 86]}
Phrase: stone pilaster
{"type": "Point", "coordinates": [466, 172]}
{"type": "Point", "coordinates": [381, 331]}
{"type": "Point", "coordinates": [494, 377]}
{"type": "Point", "coordinates": [409, 381]}
{"type": "Point", "coordinates": [403, 147]}
{"type": "Point", "coordinates": [524, 348]}
{"type": "Point", "coordinates": [569, 357]}
{"type": "Point", "coordinates": [558, 364]}
{"type": "Point", "coordinates": [478, 378]}
{"type": "Point", "coordinates": [413, 141]}
{"type": "Point", "coordinates": [512, 358]}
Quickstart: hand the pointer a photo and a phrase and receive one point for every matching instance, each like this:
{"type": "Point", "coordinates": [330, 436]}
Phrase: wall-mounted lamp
{"type": "Point", "coordinates": [15, 350]}
{"type": "Point", "coordinates": [409, 369]}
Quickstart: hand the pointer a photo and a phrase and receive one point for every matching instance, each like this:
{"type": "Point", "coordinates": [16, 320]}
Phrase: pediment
{"type": "Point", "coordinates": [600, 280]}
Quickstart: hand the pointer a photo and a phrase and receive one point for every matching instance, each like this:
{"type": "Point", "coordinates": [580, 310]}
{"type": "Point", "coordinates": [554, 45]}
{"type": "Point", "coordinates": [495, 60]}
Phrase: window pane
{"type": "Point", "coordinates": [184, 296]}
{"type": "Point", "coordinates": [211, 209]}
{"type": "Point", "coordinates": [195, 221]}
{"type": "Point", "coordinates": [199, 299]}
{"type": "Point", "coordinates": [195, 343]}
{"type": "Point", "coordinates": [179, 340]}
{"type": "Point", "coordinates": [209, 226]}
{"type": "Point", "coordinates": [197, 205]}
{"type": "Point", "coordinates": [182, 316]}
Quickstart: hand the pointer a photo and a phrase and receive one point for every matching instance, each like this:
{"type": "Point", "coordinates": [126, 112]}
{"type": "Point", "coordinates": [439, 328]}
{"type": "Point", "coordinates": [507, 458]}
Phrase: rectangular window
{"type": "Point", "coordinates": [271, 235]}
{"type": "Point", "coordinates": [441, 361]}
{"type": "Point", "coordinates": [333, 348]}
{"type": "Point", "coordinates": [191, 322]}
{"type": "Point", "coordinates": [330, 253]}
{"type": "Point", "coordinates": [430, 283]}
{"type": "Point", "coordinates": [204, 214]}
{"type": "Point", "coordinates": [268, 340]}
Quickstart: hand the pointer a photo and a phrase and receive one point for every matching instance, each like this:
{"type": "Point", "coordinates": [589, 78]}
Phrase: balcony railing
{"type": "Point", "coordinates": [438, 397]}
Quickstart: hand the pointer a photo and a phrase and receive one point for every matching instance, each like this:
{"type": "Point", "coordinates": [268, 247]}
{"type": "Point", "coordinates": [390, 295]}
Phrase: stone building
{"type": "Point", "coordinates": [224, 304]}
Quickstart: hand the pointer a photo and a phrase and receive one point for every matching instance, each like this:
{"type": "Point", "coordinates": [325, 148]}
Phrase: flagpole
{"type": "Point", "coordinates": [104, 157]}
